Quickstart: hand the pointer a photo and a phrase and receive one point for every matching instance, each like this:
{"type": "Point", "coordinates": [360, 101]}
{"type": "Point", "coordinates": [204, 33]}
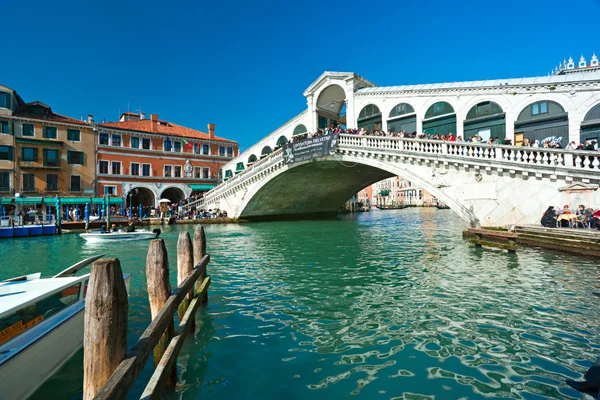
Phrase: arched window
{"type": "Point", "coordinates": [281, 141]}
{"type": "Point", "coordinates": [369, 117]}
{"type": "Point", "coordinates": [439, 108]}
{"type": "Point", "coordinates": [543, 121]}
{"type": "Point", "coordinates": [299, 129]}
{"type": "Point", "coordinates": [593, 114]}
{"type": "Point", "coordinates": [541, 109]}
{"type": "Point", "coordinates": [484, 109]}
{"type": "Point", "coordinates": [252, 159]}
{"type": "Point", "coordinates": [401, 109]}
{"type": "Point", "coordinates": [266, 151]}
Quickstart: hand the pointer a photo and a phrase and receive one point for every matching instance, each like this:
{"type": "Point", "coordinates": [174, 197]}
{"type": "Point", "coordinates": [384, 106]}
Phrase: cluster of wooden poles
{"type": "Point", "coordinates": [109, 369]}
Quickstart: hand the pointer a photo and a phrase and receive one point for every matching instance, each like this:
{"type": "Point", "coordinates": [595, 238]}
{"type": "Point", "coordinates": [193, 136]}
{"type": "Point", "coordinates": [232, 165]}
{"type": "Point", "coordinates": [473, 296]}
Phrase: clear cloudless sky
{"type": "Point", "coordinates": [244, 65]}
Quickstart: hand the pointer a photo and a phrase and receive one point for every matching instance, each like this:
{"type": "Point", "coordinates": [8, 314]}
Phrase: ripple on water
{"type": "Point", "coordinates": [383, 305]}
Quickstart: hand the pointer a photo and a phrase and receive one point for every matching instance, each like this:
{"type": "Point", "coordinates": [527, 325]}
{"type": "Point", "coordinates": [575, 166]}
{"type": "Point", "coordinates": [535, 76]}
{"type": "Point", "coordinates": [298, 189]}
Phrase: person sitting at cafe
{"type": "Point", "coordinates": [130, 227]}
{"type": "Point", "coordinates": [549, 218]}
{"type": "Point", "coordinates": [564, 222]}
{"type": "Point", "coordinates": [583, 215]}
{"type": "Point", "coordinates": [113, 228]}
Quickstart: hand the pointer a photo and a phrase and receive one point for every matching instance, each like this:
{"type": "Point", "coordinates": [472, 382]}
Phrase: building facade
{"type": "Point", "coordinates": [562, 107]}
{"type": "Point", "coordinates": [43, 154]}
{"type": "Point", "coordinates": [145, 160]}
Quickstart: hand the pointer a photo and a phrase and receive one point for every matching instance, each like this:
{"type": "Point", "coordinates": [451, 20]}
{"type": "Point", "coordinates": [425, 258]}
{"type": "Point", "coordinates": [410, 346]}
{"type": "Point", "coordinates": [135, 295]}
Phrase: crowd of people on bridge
{"type": "Point", "coordinates": [588, 145]}
{"type": "Point", "coordinates": [581, 217]}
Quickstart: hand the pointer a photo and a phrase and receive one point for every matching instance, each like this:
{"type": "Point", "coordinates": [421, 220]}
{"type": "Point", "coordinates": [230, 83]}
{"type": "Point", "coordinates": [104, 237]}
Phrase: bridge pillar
{"type": "Point", "coordinates": [509, 122]}
{"type": "Point", "coordinates": [312, 112]}
{"type": "Point", "coordinates": [350, 114]}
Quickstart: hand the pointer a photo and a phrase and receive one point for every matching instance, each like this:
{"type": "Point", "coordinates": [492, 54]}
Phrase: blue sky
{"type": "Point", "coordinates": [244, 65]}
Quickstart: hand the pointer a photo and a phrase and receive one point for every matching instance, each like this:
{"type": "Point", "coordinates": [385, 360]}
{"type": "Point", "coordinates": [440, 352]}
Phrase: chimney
{"type": "Point", "coordinates": [211, 131]}
{"type": "Point", "coordinates": [154, 121]}
{"type": "Point", "coordinates": [142, 115]}
{"type": "Point", "coordinates": [90, 119]}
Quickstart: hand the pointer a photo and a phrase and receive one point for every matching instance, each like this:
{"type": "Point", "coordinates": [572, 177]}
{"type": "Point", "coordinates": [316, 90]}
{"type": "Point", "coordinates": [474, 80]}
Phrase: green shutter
{"type": "Point", "coordinates": [10, 153]}
{"type": "Point", "coordinates": [82, 157]}
{"type": "Point", "coordinates": [45, 154]}
{"type": "Point", "coordinates": [69, 157]}
{"type": "Point", "coordinates": [35, 154]}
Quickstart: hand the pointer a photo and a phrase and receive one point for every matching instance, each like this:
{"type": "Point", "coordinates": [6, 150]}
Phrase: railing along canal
{"type": "Point", "coordinates": [463, 152]}
{"type": "Point", "coordinates": [109, 370]}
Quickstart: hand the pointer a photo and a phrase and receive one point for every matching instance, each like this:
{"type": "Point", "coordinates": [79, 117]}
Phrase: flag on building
{"type": "Point", "coordinates": [186, 143]}
{"type": "Point", "coordinates": [168, 144]}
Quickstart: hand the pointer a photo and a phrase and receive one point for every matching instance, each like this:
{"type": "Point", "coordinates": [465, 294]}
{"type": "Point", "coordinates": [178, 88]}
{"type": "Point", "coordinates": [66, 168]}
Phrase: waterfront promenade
{"type": "Point", "coordinates": [379, 304]}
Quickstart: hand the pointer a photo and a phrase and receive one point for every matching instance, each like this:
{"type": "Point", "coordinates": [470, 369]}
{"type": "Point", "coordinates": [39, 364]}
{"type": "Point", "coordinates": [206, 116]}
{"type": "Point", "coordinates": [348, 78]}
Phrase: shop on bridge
{"type": "Point", "coordinates": [369, 118]}
{"type": "Point", "coordinates": [590, 127]}
{"type": "Point", "coordinates": [543, 121]}
{"type": "Point", "coordinates": [402, 118]}
{"type": "Point", "coordinates": [486, 119]}
{"type": "Point", "coordinates": [440, 119]}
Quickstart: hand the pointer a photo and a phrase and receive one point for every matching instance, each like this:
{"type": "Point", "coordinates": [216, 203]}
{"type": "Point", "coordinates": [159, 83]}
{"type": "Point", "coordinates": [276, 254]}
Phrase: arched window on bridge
{"type": "Point", "coordinates": [228, 174]}
{"type": "Point", "coordinates": [402, 118]}
{"type": "Point", "coordinates": [299, 129]}
{"type": "Point", "coordinates": [369, 117]}
{"type": "Point", "coordinates": [543, 121]}
{"type": "Point", "coordinates": [265, 151]}
{"type": "Point", "coordinates": [252, 159]}
{"type": "Point", "coordinates": [486, 119]}
{"type": "Point", "coordinates": [440, 119]}
{"type": "Point", "coordinates": [590, 127]}
{"type": "Point", "coordinates": [281, 141]}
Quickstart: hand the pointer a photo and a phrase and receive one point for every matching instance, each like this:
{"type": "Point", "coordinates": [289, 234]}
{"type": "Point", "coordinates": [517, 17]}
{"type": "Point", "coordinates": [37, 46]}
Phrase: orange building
{"type": "Point", "coordinates": [145, 160]}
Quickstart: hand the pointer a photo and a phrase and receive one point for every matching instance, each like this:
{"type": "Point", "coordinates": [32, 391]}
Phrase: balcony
{"type": "Point", "coordinates": [46, 164]}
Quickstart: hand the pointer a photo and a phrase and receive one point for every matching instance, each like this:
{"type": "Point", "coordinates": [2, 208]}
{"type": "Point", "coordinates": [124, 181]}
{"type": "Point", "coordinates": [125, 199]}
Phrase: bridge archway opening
{"type": "Point", "coordinates": [281, 141]}
{"type": "Point", "coordinates": [266, 151]}
{"type": "Point", "coordinates": [284, 194]}
{"type": "Point", "coordinates": [440, 119]}
{"type": "Point", "coordinates": [402, 118]}
{"type": "Point", "coordinates": [174, 194]}
{"type": "Point", "coordinates": [486, 119]}
{"type": "Point", "coordinates": [543, 121]}
{"type": "Point", "coordinates": [369, 117]}
{"type": "Point", "coordinates": [590, 126]}
{"type": "Point", "coordinates": [140, 195]}
{"type": "Point", "coordinates": [331, 107]}
{"type": "Point", "coordinates": [252, 159]}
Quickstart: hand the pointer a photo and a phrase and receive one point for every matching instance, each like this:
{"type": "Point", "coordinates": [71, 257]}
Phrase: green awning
{"type": "Point", "coordinates": [51, 201]}
{"type": "Point", "coordinates": [22, 200]}
{"type": "Point", "coordinates": [206, 186]}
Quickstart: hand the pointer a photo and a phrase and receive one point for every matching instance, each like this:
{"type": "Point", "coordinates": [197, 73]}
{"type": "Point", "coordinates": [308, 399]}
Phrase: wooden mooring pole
{"type": "Point", "coordinates": [105, 338]}
{"type": "Point", "coordinates": [159, 290]}
{"type": "Point", "coordinates": [199, 253]}
{"type": "Point", "coordinates": [185, 264]}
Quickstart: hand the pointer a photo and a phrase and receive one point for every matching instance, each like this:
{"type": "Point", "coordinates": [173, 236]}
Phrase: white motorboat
{"type": "Point", "coordinates": [141, 234]}
{"type": "Point", "coordinates": [41, 327]}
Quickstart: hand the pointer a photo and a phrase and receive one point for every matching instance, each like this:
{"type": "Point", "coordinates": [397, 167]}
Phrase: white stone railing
{"type": "Point", "coordinates": [585, 161]}
{"type": "Point", "coordinates": [249, 172]}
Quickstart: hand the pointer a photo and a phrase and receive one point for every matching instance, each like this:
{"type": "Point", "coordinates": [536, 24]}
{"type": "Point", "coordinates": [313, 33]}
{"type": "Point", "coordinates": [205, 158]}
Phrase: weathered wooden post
{"type": "Point", "coordinates": [105, 332]}
{"type": "Point", "coordinates": [159, 290]}
{"type": "Point", "coordinates": [185, 264]}
{"type": "Point", "coordinates": [199, 252]}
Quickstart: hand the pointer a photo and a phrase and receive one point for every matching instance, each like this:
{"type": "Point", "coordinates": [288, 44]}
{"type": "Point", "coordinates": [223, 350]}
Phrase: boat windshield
{"type": "Point", "coordinates": [27, 317]}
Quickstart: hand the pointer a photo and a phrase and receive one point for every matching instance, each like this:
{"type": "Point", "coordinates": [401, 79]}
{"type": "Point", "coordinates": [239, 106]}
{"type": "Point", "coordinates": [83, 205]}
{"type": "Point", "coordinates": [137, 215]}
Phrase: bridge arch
{"type": "Point", "coordinates": [140, 195]}
{"type": "Point", "coordinates": [486, 118]}
{"type": "Point", "coordinates": [543, 120]}
{"type": "Point", "coordinates": [301, 128]}
{"type": "Point", "coordinates": [440, 118]}
{"type": "Point", "coordinates": [266, 151]}
{"type": "Point", "coordinates": [281, 141]}
{"type": "Point", "coordinates": [252, 158]}
{"type": "Point", "coordinates": [369, 117]}
{"type": "Point", "coordinates": [332, 183]}
{"type": "Point", "coordinates": [330, 105]}
{"type": "Point", "coordinates": [402, 117]}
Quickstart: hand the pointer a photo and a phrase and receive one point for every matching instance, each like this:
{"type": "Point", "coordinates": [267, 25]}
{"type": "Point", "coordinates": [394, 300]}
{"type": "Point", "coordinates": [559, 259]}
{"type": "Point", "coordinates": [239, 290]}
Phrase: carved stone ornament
{"type": "Point", "coordinates": [478, 177]}
{"type": "Point", "coordinates": [578, 187]}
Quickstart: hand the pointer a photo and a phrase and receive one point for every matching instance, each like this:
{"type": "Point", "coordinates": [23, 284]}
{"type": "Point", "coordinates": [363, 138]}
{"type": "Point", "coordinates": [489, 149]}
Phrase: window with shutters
{"type": "Point", "coordinates": [51, 158]}
{"type": "Point", "coordinates": [4, 182]}
{"type": "Point", "coordinates": [74, 135]}
{"type": "Point", "coordinates": [75, 183]}
{"type": "Point", "coordinates": [29, 154]}
{"type": "Point", "coordinates": [51, 183]}
{"type": "Point", "coordinates": [135, 142]}
{"type": "Point", "coordinates": [75, 157]}
{"type": "Point", "coordinates": [28, 130]}
{"type": "Point", "coordinates": [29, 182]}
{"type": "Point", "coordinates": [50, 132]}
{"type": "Point", "coordinates": [6, 153]}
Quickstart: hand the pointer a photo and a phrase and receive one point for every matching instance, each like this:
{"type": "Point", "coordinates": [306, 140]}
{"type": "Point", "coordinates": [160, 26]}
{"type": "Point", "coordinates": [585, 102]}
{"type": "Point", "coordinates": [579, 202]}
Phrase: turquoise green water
{"type": "Point", "coordinates": [388, 304]}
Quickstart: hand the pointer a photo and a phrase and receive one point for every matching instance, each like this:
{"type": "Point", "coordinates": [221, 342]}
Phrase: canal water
{"type": "Point", "coordinates": [382, 305]}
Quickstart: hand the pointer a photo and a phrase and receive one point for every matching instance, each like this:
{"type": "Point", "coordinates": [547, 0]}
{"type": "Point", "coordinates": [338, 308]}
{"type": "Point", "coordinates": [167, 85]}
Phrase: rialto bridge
{"type": "Point", "coordinates": [487, 185]}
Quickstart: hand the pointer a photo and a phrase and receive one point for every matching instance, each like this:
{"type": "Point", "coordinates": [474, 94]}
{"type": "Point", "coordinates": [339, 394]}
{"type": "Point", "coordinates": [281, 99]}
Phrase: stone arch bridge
{"type": "Point", "coordinates": [487, 185]}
